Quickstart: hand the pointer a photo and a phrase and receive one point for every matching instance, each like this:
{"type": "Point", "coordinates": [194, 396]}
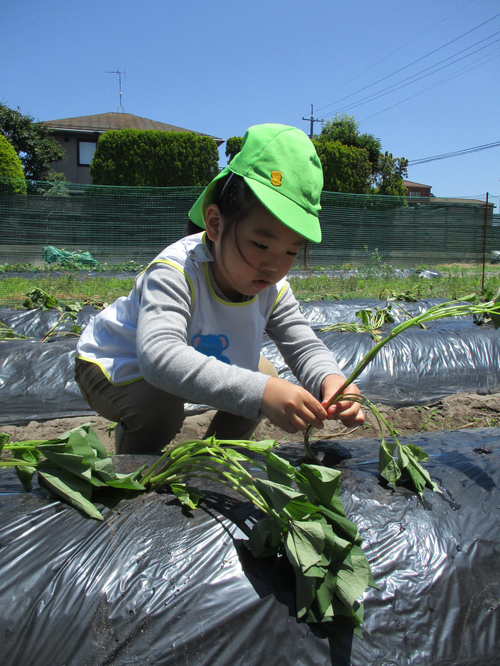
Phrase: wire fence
{"type": "Point", "coordinates": [121, 224]}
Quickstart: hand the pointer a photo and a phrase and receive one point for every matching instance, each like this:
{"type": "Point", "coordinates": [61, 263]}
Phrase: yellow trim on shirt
{"type": "Point", "coordinates": [106, 373]}
{"type": "Point", "coordinates": [176, 266]}
{"type": "Point", "coordinates": [278, 297]}
{"type": "Point", "coordinates": [221, 300]}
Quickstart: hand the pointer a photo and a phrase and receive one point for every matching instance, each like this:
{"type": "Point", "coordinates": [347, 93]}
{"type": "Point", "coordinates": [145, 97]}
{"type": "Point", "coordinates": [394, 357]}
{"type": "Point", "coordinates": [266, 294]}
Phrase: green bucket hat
{"type": "Point", "coordinates": [280, 165]}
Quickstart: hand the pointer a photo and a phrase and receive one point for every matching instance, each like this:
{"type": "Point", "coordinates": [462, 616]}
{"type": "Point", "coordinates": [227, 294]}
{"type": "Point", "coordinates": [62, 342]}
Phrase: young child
{"type": "Point", "coordinates": [192, 327]}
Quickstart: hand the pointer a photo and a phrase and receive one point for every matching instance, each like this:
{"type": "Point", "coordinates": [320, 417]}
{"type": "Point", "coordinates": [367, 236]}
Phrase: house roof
{"type": "Point", "coordinates": [409, 183]}
{"type": "Point", "coordinates": [102, 122]}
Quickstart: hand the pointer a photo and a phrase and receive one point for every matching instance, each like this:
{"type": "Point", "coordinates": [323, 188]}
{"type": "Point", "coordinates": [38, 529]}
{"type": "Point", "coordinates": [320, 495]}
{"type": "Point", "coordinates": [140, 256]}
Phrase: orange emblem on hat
{"type": "Point", "coordinates": [276, 178]}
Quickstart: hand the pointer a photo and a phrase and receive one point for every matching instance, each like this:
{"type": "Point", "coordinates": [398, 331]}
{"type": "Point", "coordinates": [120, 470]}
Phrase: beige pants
{"type": "Point", "coordinates": [147, 417]}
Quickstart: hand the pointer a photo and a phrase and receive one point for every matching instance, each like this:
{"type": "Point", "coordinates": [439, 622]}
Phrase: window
{"type": "Point", "coordinates": [415, 194]}
{"type": "Point", "coordinates": [86, 151]}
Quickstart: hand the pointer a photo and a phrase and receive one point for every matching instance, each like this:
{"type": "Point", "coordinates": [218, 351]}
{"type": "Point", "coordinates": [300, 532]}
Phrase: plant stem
{"type": "Point", "coordinates": [454, 308]}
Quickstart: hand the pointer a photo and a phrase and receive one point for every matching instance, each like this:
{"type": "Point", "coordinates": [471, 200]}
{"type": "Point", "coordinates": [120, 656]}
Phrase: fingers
{"type": "Point", "coordinates": [355, 420]}
{"type": "Point", "coordinates": [291, 407]}
{"type": "Point", "coordinates": [347, 411]}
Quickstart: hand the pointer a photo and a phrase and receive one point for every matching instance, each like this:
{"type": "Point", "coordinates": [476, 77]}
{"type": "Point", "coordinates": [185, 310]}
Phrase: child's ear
{"type": "Point", "coordinates": [213, 222]}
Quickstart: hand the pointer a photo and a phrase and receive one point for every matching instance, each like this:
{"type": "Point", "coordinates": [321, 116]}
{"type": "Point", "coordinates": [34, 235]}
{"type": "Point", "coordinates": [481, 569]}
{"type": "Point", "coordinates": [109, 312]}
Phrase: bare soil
{"type": "Point", "coordinates": [462, 410]}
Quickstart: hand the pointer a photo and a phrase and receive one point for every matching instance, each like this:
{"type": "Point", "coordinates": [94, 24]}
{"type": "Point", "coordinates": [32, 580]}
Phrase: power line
{"type": "Point", "coordinates": [396, 51]}
{"type": "Point", "coordinates": [463, 70]}
{"type": "Point", "coordinates": [408, 81]}
{"type": "Point", "coordinates": [412, 63]}
{"type": "Point", "coordinates": [457, 153]}
{"type": "Point", "coordinates": [403, 46]}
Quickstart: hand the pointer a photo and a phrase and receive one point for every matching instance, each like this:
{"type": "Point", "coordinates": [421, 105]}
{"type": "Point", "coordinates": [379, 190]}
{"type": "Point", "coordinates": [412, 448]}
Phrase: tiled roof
{"type": "Point", "coordinates": [102, 122]}
{"type": "Point", "coordinates": [408, 183]}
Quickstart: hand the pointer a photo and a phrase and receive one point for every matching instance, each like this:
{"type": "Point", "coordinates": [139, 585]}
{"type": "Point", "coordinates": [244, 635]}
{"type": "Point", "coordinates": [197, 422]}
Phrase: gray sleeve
{"type": "Point", "coordinates": [169, 363]}
{"type": "Point", "coordinates": [306, 356]}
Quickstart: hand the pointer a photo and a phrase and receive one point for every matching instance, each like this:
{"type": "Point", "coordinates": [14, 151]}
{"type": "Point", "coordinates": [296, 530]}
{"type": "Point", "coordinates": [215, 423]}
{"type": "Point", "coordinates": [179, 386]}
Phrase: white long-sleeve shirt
{"type": "Point", "coordinates": [158, 333]}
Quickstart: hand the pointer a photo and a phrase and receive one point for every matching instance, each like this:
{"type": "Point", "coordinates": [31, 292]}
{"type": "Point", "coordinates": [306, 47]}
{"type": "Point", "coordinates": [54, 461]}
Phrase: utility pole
{"type": "Point", "coordinates": [120, 83]}
{"type": "Point", "coordinates": [313, 120]}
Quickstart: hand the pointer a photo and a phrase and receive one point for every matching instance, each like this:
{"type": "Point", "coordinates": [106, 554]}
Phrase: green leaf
{"type": "Point", "coordinates": [30, 455]}
{"type": "Point", "coordinates": [71, 489]}
{"type": "Point", "coordinates": [79, 445]}
{"type": "Point", "coordinates": [104, 469]}
{"type": "Point", "coordinates": [69, 461]}
{"type": "Point", "coordinates": [25, 476]}
{"type": "Point", "coordinates": [387, 466]}
{"type": "Point", "coordinates": [414, 471]}
{"type": "Point", "coordinates": [126, 482]}
{"type": "Point", "coordinates": [4, 440]}
{"type": "Point", "coordinates": [325, 593]}
{"type": "Point", "coordinates": [495, 316]}
{"type": "Point", "coordinates": [417, 452]}
{"type": "Point", "coordinates": [364, 315]}
{"type": "Point", "coordinates": [305, 592]}
{"type": "Point", "coordinates": [263, 445]}
{"type": "Point", "coordinates": [92, 438]}
{"type": "Point", "coordinates": [86, 432]}
{"type": "Point", "coordinates": [188, 496]}
{"type": "Point", "coordinates": [304, 544]}
{"type": "Point", "coordinates": [341, 525]}
{"type": "Point", "coordinates": [265, 538]}
{"type": "Point", "coordinates": [354, 576]}
{"type": "Point", "coordinates": [233, 454]}
{"type": "Point", "coordinates": [302, 509]}
{"type": "Point", "coordinates": [258, 447]}
{"type": "Point", "coordinates": [279, 470]}
{"type": "Point", "coordinates": [276, 494]}
{"type": "Point", "coordinates": [335, 547]}
{"type": "Point", "coordinates": [325, 482]}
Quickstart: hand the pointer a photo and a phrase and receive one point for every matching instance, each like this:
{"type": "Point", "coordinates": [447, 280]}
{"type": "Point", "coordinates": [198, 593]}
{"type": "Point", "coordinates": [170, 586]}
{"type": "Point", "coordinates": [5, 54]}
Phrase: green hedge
{"type": "Point", "coordinates": [153, 158]}
{"type": "Point", "coordinates": [11, 168]}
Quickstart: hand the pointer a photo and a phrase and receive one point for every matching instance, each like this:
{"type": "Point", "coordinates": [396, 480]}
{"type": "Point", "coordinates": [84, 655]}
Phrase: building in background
{"type": "Point", "coordinates": [417, 189]}
{"type": "Point", "coordinates": [78, 137]}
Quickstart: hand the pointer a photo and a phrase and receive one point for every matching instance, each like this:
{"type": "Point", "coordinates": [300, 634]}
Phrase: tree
{"type": "Point", "coordinates": [387, 172]}
{"type": "Point", "coordinates": [345, 129]}
{"type": "Point", "coordinates": [233, 146]}
{"type": "Point", "coordinates": [390, 175]}
{"type": "Point", "coordinates": [154, 158]}
{"type": "Point", "coordinates": [345, 168]}
{"type": "Point", "coordinates": [10, 169]}
{"type": "Point", "coordinates": [33, 142]}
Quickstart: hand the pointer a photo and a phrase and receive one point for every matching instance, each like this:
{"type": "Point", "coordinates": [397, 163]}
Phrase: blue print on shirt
{"type": "Point", "coordinates": [212, 345]}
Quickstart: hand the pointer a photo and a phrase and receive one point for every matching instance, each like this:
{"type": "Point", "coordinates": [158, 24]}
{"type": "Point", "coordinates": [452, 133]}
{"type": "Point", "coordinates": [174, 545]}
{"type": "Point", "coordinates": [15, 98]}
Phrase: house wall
{"type": "Point", "coordinates": [418, 191]}
{"type": "Point", "coordinates": [73, 172]}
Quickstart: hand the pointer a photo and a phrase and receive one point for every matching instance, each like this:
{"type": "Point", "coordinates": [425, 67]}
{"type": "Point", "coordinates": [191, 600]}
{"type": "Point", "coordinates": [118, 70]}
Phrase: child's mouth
{"type": "Point", "coordinates": [262, 284]}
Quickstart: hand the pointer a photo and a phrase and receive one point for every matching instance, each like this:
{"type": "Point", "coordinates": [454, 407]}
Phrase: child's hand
{"type": "Point", "coordinates": [291, 407]}
{"type": "Point", "coordinates": [347, 411]}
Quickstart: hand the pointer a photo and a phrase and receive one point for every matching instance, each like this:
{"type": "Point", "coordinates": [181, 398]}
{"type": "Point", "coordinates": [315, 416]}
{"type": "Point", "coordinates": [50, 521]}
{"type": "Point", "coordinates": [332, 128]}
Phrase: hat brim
{"type": "Point", "coordinates": [286, 211]}
{"type": "Point", "coordinates": [197, 212]}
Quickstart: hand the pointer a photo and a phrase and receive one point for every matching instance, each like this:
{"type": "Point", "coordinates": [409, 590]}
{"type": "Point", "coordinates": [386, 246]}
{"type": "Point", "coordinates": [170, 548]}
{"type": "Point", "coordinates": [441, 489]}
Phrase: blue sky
{"type": "Point", "coordinates": [422, 77]}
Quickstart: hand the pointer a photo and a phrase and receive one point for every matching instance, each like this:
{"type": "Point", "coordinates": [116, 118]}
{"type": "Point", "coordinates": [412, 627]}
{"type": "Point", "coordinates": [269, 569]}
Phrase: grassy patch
{"type": "Point", "coordinates": [13, 290]}
{"type": "Point", "coordinates": [454, 282]}
{"type": "Point", "coordinates": [348, 282]}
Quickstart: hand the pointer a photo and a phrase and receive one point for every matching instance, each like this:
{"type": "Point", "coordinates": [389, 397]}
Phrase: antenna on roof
{"type": "Point", "coordinates": [120, 83]}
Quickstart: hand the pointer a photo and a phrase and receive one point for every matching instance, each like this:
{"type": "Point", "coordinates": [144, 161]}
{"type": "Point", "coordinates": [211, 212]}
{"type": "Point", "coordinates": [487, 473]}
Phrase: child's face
{"type": "Point", "coordinates": [255, 255]}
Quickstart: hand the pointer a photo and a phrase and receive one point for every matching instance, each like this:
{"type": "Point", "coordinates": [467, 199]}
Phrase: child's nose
{"type": "Point", "coordinates": [271, 264]}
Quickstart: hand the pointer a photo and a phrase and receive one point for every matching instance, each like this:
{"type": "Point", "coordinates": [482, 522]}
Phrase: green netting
{"type": "Point", "coordinates": [120, 224]}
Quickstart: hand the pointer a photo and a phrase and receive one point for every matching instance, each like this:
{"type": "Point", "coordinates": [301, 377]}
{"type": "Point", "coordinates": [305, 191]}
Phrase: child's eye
{"type": "Point", "coordinates": [292, 254]}
{"type": "Point", "coordinates": [260, 246]}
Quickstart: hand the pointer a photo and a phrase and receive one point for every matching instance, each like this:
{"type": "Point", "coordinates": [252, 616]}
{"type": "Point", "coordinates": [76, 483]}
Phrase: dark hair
{"type": "Point", "coordinates": [235, 201]}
